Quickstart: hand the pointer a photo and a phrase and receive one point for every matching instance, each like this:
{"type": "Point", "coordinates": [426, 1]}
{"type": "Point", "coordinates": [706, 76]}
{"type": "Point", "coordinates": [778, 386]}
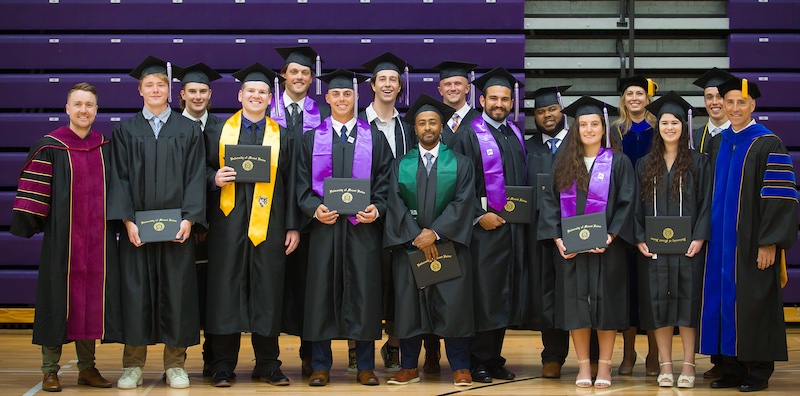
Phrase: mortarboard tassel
{"type": "Point", "coordinates": [318, 72]}
{"type": "Point", "coordinates": [608, 126]}
{"type": "Point", "coordinates": [744, 88]}
{"type": "Point", "coordinates": [516, 101]}
{"type": "Point", "coordinates": [561, 103]}
{"type": "Point", "coordinates": [472, 90]}
{"type": "Point", "coordinates": [691, 138]}
{"type": "Point", "coordinates": [277, 95]}
{"type": "Point", "coordinates": [169, 81]}
{"type": "Point", "coordinates": [355, 90]}
{"type": "Point", "coordinates": [408, 85]}
{"type": "Point", "coordinates": [652, 88]}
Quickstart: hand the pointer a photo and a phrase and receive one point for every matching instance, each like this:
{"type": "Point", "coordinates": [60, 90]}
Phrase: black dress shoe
{"type": "Point", "coordinates": [206, 370]}
{"type": "Point", "coordinates": [753, 384]}
{"type": "Point", "coordinates": [727, 381]}
{"type": "Point", "coordinates": [276, 378]}
{"type": "Point", "coordinates": [221, 379]}
{"type": "Point", "coordinates": [480, 374]}
{"type": "Point", "coordinates": [502, 373]}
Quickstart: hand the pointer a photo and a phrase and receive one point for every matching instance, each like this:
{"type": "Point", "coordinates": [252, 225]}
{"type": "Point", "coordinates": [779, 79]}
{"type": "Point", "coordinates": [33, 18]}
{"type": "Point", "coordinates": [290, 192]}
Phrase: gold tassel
{"type": "Point", "coordinates": [744, 88]}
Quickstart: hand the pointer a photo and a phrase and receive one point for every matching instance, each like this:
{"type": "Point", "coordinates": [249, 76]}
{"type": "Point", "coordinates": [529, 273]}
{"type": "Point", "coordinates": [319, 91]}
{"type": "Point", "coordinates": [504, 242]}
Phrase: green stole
{"type": "Point", "coordinates": [446, 170]}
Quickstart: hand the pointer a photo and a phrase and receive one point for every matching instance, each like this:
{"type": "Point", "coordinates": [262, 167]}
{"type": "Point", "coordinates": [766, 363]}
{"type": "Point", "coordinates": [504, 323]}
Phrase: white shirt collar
{"type": "Point", "coordinates": [462, 112]}
{"type": "Point", "coordinates": [337, 126]}
{"type": "Point", "coordinates": [202, 119]}
{"type": "Point", "coordinates": [560, 136]}
{"type": "Point", "coordinates": [752, 122]}
{"type": "Point", "coordinates": [434, 151]}
{"type": "Point", "coordinates": [372, 115]}
{"type": "Point", "coordinates": [492, 122]}
{"type": "Point", "coordinates": [723, 127]}
{"type": "Point", "coordinates": [287, 101]}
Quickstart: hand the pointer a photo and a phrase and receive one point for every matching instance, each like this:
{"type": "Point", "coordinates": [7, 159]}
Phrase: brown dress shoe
{"type": "Point", "coordinates": [50, 382]}
{"type": "Point", "coordinates": [305, 367]}
{"type": "Point", "coordinates": [319, 378]}
{"type": "Point", "coordinates": [93, 378]}
{"type": "Point", "coordinates": [462, 378]}
{"type": "Point", "coordinates": [551, 370]}
{"type": "Point", "coordinates": [404, 376]}
{"type": "Point", "coordinates": [368, 377]}
{"type": "Point", "coordinates": [431, 365]}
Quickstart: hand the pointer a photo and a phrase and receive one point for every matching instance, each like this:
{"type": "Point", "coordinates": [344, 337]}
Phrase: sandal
{"type": "Point", "coordinates": [686, 381]}
{"type": "Point", "coordinates": [583, 382]}
{"type": "Point", "coordinates": [603, 383]}
{"type": "Point", "coordinates": [665, 379]}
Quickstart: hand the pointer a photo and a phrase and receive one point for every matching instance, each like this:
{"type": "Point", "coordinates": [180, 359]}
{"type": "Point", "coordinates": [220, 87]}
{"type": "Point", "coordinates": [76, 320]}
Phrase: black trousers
{"type": "Point", "coordinates": [486, 347]}
{"type": "Point", "coordinates": [740, 369]}
{"type": "Point", "coordinates": [226, 352]}
{"type": "Point", "coordinates": [556, 346]}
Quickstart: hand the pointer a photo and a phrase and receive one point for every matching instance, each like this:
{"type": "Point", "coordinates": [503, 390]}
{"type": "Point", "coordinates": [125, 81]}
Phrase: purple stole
{"type": "Point", "coordinates": [599, 183]}
{"type": "Point", "coordinates": [322, 157]}
{"type": "Point", "coordinates": [493, 174]}
{"type": "Point", "coordinates": [86, 266]}
{"type": "Point", "coordinates": [310, 113]}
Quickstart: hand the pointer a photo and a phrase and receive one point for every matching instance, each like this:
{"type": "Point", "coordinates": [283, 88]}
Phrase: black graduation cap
{"type": "Point", "coordinates": [749, 89]}
{"type": "Point", "coordinates": [153, 65]}
{"type": "Point", "coordinates": [342, 78]}
{"type": "Point", "coordinates": [258, 72]}
{"type": "Point", "coordinates": [588, 105]}
{"type": "Point", "coordinates": [303, 55]}
{"type": "Point", "coordinates": [449, 69]}
{"type": "Point", "coordinates": [386, 61]}
{"type": "Point", "coordinates": [502, 77]}
{"type": "Point", "coordinates": [547, 96]}
{"type": "Point", "coordinates": [712, 78]}
{"type": "Point", "coordinates": [197, 73]}
{"type": "Point", "coordinates": [672, 103]}
{"type": "Point", "coordinates": [647, 84]}
{"type": "Point", "coordinates": [426, 102]}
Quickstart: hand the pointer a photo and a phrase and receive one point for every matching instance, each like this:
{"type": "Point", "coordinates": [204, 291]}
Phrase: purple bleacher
{"type": "Point", "coordinates": [764, 15]}
{"type": "Point", "coordinates": [793, 254]}
{"type": "Point", "coordinates": [18, 287]}
{"type": "Point", "coordinates": [20, 252]}
{"type": "Point", "coordinates": [124, 51]}
{"type": "Point", "coordinates": [24, 129]}
{"type": "Point", "coordinates": [11, 164]}
{"type": "Point", "coordinates": [791, 293]}
{"type": "Point", "coordinates": [764, 51]}
{"type": "Point", "coordinates": [6, 203]}
{"type": "Point", "coordinates": [782, 124]}
{"type": "Point", "coordinates": [276, 15]}
{"type": "Point", "coordinates": [777, 89]}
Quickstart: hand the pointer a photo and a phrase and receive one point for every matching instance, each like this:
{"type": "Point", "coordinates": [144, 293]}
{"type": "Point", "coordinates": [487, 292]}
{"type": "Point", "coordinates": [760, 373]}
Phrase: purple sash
{"type": "Point", "coordinates": [492, 163]}
{"type": "Point", "coordinates": [310, 113]}
{"type": "Point", "coordinates": [599, 183]}
{"type": "Point", "coordinates": [322, 157]}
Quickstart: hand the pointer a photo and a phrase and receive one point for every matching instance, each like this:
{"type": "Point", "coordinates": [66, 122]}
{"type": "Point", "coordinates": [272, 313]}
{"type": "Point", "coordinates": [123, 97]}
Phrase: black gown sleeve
{"type": "Point", "coordinates": [550, 213]}
{"type": "Point", "coordinates": [382, 161]}
{"type": "Point", "coordinates": [307, 199]}
{"type": "Point", "coordinates": [400, 227]}
{"type": "Point", "coordinates": [778, 212]}
{"type": "Point", "coordinates": [703, 193]}
{"type": "Point", "coordinates": [193, 204]}
{"type": "Point", "coordinates": [455, 222]}
{"type": "Point", "coordinates": [638, 223]}
{"type": "Point", "coordinates": [624, 206]}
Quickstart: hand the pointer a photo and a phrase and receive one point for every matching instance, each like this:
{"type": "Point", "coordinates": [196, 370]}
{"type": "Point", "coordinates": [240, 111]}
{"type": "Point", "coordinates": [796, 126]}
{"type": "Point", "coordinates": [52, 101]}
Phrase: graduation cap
{"type": "Point", "coordinates": [502, 77]}
{"type": "Point", "coordinates": [449, 69]}
{"type": "Point", "coordinates": [672, 103]}
{"type": "Point", "coordinates": [749, 89]}
{"type": "Point", "coordinates": [588, 105]}
{"type": "Point", "coordinates": [426, 102]}
{"type": "Point", "coordinates": [712, 78]}
{"type": "Point", "coordinates": [390, 61]}
{"type": "Point", "coordinates": [259, 72]}
{"type": "Point", "coordinates": [153, 65]}
{"type": "Point", "coordinates": [305, 56]}
{"type": "Point", "coordinates": [344, 79]}
{"type": "Point", "coordinates": [647, 84]}
{"type": "Point", "coordinates": [197, 73]}
{"type": "Point", "coordinates": [548, 96]}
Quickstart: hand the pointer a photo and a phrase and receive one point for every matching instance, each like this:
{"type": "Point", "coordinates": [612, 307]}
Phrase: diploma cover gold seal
{"type": "Point", "coordinates": [158, 226]}
{"type": "Point", "coordinates": [436, 265]}
{"type": "Point", "coordinates": [347, 197]}
{"type": "Point", "coordinates": [247, 165]}
{"type": "Point", "coordinates": [668, 233]}
{"type": "Point", "coordinates": [584, 234]}
{"type": "Point", "coordinates": [510, 206]}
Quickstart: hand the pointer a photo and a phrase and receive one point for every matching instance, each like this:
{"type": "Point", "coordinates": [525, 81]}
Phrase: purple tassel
{"type": "Point", "coordinates": [169, 81]}
{"type": "Point", "coordinates": [561, 103]}
{"type": "Point", "coordinates": [516, 101]}
{"type": "Point", "coordinates": [691, 138]}
{"type": "Point", "coordinates": [472, 90]}
{"type": "Point", "coordinates": [608, 126]}
{"type": "Point", "coordinates": [278, 107]}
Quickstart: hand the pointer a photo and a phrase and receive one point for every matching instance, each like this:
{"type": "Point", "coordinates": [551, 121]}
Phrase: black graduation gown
{"type": "Point", "coordinates": [212, 121]}
{"type": "Point", "coordinates": [447, 133]}
{"type": "Point", "coordinates": [761, 329]}
{"type": "Point", "coordinates": [159, 280]}
{"type": "Point", "coordinates": [245, 282]}
{"type": "Point", "coordinates": [671, 286]}
{"type": "Point", "coordinates": [592, 290]}
{"type": "Point", "coordinates": [443, 309]}
{"type": "Point", "coordinates": [50, 317]}
{"type": "Point", "coordinates": [497, 255]}
{"type": "Point", "coordinates": [343, 286]}
{"type": "Point", "coordinates": [401, 128]}
{"type": "Point", "coordinates": [702, 139]}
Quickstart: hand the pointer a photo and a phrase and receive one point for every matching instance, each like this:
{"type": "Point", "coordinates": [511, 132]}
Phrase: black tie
{"type": "Point", "coordinates": [253, 133]}
{"type": "Point", "coordinates": [294, 113]}
{"type": "Point", "coordinates": [343, 135]}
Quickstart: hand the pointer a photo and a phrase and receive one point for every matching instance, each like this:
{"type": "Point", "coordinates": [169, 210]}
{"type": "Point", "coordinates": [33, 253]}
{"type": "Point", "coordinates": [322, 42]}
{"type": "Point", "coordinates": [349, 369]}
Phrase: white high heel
{"type": "Point", "coordinates": [686, 381]}
{"type": "Point", "coordinates": [666, 379]}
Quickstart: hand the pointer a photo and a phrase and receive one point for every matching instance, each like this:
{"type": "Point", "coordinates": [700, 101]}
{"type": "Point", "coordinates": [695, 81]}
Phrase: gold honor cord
{"type": "Point", "coordinates": [262, 195]}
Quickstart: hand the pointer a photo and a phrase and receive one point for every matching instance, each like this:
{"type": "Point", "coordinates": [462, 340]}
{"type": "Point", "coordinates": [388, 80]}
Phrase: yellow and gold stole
{"type": "Point", "coordinates": [262, 195]}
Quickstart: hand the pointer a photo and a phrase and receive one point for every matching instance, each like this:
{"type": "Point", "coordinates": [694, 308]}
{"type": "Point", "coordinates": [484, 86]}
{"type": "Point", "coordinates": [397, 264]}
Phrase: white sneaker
{"type": "Point", "coordinates": [131, 378]}
{"type": "Point", "coordinates": [177, 378]}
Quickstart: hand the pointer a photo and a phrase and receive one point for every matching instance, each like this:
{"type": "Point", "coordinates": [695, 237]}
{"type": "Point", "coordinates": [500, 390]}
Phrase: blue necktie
{"type": "Point", "coordinates": [156, 126]}
{"type": "Point", "coordinates": [343, 135]}
{"type": "Point", "coordinates": [428, 162]}
{"type": "Point", "coordinates": [553, 146]}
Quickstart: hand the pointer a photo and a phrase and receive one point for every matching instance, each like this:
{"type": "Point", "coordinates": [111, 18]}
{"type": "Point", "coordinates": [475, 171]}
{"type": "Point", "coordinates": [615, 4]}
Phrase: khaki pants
{"type": "Point", "coordinates": [135, 356]}
{"type": "Point", "coordinates": [83, 348]}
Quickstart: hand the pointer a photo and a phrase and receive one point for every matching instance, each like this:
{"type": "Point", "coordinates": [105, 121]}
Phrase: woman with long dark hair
{"type": "Point", "coordinates": [674, 180]}
{"type": "Point", "coordinates": [591, 286]}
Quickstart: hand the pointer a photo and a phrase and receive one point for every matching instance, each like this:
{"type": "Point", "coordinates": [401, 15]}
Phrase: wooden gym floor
{"type": "Point", "coordinates": [20, 372]}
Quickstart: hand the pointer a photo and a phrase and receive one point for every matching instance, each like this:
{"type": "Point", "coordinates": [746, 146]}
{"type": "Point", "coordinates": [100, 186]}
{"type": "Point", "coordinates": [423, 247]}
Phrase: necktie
{"type": "Point", "coordinates": [156, 126]}
{"type": "Point", "coordinates": [715, 131]}
{"type": "Point", "coordinates": [343, 135]}
{"type": "Point", "coordinates": [253, 133]}
{"type": "Point", "coordinates": [294, 109]}
{"type": "Point", "coordinates": [553, 145]}
{"type": "Point", "coordinates": [504, 129]}
{"type": "Point", "coordinates": [428, 162]}
{"type": "Point", "coordinates": [456, 119]}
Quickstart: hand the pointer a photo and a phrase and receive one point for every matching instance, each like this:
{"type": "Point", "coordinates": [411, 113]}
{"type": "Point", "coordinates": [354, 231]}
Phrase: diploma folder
{"type": "Point", "coordinates": [444, 268]}
{"type": "Point", "coordinates": [158, 225]}
{"type": "Point", "coordinates": [668, 234]}
{"type": "Point", "coordinates": [519, 200]}
{"type": "Point", "coordinates": [250, 162]}
{"type": "Point", "coordinates": [347, 196]}
{"type": "Point", "coordinates": [584, 232]}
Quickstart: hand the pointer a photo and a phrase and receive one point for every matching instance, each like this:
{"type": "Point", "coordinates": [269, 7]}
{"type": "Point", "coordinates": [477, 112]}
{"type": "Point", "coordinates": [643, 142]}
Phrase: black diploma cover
{"type": "Point", "coordinates": [668, 234]}
{"type": "Point", "coordinates": [584, 232]}
{"type": "Point", "coordinates": [347, 196]}
{"type": "Point", "coordinates": [158, 225]}
{"type": "Point", "coordinates": [543, 184]}
{"type": "Point", "coordinates": [445, 267]}
{"type": "Point", "coordinates": [250, 162]}
{"type": "Point", "coordinates": [519, 200]}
